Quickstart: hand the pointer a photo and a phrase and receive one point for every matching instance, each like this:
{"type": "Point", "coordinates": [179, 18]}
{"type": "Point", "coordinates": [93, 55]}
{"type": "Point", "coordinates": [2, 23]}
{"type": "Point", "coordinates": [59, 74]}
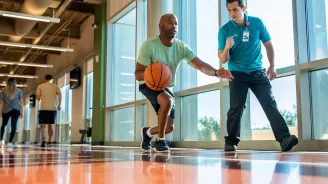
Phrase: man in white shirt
{"type": "Point", "coordinates": [46, 93]}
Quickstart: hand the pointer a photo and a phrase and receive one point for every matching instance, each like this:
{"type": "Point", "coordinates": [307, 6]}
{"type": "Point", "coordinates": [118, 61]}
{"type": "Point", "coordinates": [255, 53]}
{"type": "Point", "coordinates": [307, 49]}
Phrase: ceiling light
{"type": "Point", "coordinates": [18, 85]}
{"type": "Point", "coordinates": [29, 16]}
{"type": "Point", "coordinates": [19, 76]}
{"type": "Point", "coordinates": [52, 48]}
{"type": "Point", "coordinates": [25, 64]}
{"type": "Point", "coordinates": [12, 44]}
{"type": "Point", "coordinates": [41, 47]}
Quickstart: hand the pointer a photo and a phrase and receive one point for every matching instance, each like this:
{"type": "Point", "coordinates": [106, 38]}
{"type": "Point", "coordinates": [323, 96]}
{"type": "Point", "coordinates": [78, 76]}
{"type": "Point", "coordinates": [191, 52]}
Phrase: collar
{"type": "Point", "coordinates": [245, 20]}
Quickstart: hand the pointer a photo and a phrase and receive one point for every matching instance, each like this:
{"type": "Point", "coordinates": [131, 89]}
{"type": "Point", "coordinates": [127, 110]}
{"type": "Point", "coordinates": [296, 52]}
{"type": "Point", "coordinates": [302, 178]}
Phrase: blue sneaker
{"type": "Point", "coordinates": [146, 140]}
{"type": "Point", "coordinates": [161, 146]}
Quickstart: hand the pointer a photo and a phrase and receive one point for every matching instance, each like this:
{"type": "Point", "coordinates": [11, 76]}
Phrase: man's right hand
{"type": "Point", "coordinates": [59, 107]}
{"type": "Point", "coordinates": [229, 42]}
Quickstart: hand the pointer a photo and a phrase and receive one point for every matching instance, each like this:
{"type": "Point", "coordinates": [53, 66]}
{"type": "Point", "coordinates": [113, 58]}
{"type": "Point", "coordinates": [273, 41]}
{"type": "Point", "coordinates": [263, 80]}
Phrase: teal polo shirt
{"type": "Point", "coordinates": [244, 56]}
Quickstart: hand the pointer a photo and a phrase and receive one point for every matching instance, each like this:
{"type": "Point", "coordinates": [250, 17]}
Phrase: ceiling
{"type": "Point", "coordinates": [71, 18]}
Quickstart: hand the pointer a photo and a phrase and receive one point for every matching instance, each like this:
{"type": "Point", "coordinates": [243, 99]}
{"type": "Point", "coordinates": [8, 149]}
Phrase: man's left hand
{"type": "Point", "coordinates": [271, 73]}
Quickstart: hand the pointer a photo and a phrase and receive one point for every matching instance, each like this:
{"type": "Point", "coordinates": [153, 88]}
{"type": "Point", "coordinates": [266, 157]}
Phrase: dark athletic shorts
{"type": "Point", "coordinates": [47, 117]}
{"type": "Point", "coordinates": [151, 95]}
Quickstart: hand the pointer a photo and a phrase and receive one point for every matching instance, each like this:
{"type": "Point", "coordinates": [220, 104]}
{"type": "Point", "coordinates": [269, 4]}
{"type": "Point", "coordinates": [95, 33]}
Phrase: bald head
{"type": "Point", "coordinates": [166, 17]}
{"type": "Point", "coordinates": [168, 25]}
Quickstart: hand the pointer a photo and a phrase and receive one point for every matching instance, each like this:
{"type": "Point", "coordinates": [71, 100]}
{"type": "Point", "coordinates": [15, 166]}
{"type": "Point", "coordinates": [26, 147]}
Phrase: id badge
{"type": "Point", "coordinates": [245, 36]}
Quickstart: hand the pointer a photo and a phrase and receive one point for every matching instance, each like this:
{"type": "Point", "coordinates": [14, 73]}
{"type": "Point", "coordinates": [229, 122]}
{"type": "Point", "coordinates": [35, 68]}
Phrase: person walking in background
{"type": "Point", "coordinates": [47, 94]}
{"type": "Point", "coordinates": [11, 103]}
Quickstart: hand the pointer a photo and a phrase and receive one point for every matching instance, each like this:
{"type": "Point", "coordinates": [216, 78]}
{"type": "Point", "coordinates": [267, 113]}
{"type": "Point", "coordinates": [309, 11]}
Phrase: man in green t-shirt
{"type": "Point", "coordinates": [165, 48]}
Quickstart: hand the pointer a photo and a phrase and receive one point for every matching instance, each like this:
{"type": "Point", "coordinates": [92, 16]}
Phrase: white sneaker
{"type": "Point", "coordinates": [10, 145]}
{"type": "Point", "coordinates": [2, 143]}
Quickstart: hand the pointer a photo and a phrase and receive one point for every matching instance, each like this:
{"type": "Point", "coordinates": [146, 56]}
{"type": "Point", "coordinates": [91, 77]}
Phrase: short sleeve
{"type": "Point", "coordinates": [38, 91]}
{"type": "Point", "coordinates": [188, 53]}
{"type": "Point", "coordinates": [20, 95]}
{"type": "Point", "coordinates": [1, 97]}
{"type": "Point", "coordinates": [264, 33]}
{"type": "Point", "coordinates": [58, 92]}
{"type": "Point", "coordinates": [144, 56]}
{"type": "Point", "coordinates": [221, 40]}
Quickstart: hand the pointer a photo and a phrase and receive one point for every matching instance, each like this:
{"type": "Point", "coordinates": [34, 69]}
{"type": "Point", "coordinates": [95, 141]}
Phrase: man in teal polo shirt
{"type": "Point", "coordinates": [240, 45]}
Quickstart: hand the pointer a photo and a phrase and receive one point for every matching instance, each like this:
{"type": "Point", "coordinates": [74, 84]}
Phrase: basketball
{"type": "Point", "coordinates": [157, 76]}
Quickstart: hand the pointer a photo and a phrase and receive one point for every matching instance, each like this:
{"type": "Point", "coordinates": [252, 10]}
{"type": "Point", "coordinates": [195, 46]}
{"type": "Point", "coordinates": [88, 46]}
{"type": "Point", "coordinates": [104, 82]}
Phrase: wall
{"type": "Point", "coordinates": [82, 48]}
{"type": "Point", "coordinates": [115, 6]}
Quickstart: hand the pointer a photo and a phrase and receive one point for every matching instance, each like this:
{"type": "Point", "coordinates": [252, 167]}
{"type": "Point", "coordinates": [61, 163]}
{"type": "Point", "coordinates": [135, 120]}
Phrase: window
{"type": "Point", "coordinates": [280, 27]}
{"type": "Point", "coordinates": [286, 101]}
{"type": "Point", "coordinates": [141, 119]}
{"type": "Point", "coordinates": [122, 124]}
{"type": "Point", "coordinates": [65, 114]}
{"type": "Point", "coordinates": [319, 95]}
{"type": "Point", "coordinates": [317, 28]}
{"type": "Point", "coordinates": [89, 88]}
{"type": "Point", "coordinates": [27, 114]}
{"type": "Point", "coordinates": [141, 35]}
{"type": "Point", "coordinates": [89, 95]}
{"type": "Point", "coordinates": [200, 117]}
{"type": "Point", "coordinates": [199, 32]}
{"type": "Point", "coordinates": [123, 59]}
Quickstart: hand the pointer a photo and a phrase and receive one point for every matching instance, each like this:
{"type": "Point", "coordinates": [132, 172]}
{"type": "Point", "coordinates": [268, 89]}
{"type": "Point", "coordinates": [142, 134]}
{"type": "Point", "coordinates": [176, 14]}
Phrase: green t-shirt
{"type": "Point", "coordinates": [153, 50]}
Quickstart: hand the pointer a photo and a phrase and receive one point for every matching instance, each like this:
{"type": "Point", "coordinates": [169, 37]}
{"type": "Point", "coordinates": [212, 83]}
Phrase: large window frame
{"type": "Point", "coordinates": [63, 127]}
{"type": "Point", "coordinates": [301, 70]}
{"type": "Point", "coordinates": [139, 104]}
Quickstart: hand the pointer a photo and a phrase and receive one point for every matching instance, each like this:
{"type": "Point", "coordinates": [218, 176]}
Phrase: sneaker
{"type": "Point", "coordinates": [288, 142]}
{"type": "Point", "coordinates": [161, 157]}
{"type": "Point", "coordinates": [48, 143]}
{"type": "Point", "coordinates": [146, 140]}
{"type": "Point", "coordinates": [2, 143]}
{"type": "Point", "coordinates": [10, 145]}
{"type": "Point", "coordinates": [230, 147]}
{"type": "Point", "coordinates": [146, 157]}
{"type": "Point", "coordinates": [161, 146]}
{"type": "Point", "coordinates": [43, 143]}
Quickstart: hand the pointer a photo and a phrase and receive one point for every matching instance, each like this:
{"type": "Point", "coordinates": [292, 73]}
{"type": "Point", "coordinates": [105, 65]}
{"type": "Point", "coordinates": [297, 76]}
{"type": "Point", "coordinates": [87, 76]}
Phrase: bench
{"type": "Point", "coordinates": [85, 132]}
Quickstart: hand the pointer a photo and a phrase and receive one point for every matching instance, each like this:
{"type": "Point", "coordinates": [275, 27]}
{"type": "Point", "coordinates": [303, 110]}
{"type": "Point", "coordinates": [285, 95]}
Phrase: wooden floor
{"type": "Point", "coordinates": [85, 164]}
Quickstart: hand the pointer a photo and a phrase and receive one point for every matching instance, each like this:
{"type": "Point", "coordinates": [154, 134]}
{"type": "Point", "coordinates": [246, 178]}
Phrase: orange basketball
{"type": "Point", "coordinates": [157, 76]}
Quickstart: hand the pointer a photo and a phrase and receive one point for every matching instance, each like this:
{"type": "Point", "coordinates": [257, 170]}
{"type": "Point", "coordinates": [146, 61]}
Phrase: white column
{"type": "Point", "coordinates": [155, 9]}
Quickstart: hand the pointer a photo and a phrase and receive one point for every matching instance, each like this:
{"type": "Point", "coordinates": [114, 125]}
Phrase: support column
{"type": "Point", "coordinates": [99, 76]}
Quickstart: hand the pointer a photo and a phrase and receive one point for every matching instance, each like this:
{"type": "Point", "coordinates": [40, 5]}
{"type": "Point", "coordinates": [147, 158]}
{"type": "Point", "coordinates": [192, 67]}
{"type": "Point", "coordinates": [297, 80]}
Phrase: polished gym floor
{"type": "Point", "coordinates": [85, 164]}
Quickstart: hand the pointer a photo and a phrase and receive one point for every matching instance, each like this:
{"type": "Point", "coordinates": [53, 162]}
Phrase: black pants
{"type": "Point", "coordinates": [260, 85]}
{"type": "Point", "coordinates": [14, 115]}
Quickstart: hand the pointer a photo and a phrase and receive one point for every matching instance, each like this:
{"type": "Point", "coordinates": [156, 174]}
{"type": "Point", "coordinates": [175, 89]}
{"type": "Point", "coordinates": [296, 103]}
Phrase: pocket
{"type": "Point", "coordinates": [142, 87]}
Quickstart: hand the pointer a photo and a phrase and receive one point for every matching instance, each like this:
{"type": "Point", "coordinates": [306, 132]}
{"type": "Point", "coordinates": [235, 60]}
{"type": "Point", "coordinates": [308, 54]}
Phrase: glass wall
{"type": "Point", "coordinates": [299, 35]}
{"type": "Point", "coordinates": [200, 117]}
{"type": "Point", "coordinates": [125, 105]}
{"type": "Point", "coordinates": [199, 31]}
{"type": "Point", "coordinates": [319, 91]}
{"type": "Point", "coordinates": [280, 27]}
{"type": "Point", "coordinates": [286, 101]}
{"type": "Point", "coordinates": [27, 114]}
{"type": "Point", "coordinates": [122, 128]}
{"type": "Point", "coordinates": [123, 63]}
{"type": "Point", "coordinates": [64, 116]}
{"type": "Point", "coordinates": [317, 28]}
